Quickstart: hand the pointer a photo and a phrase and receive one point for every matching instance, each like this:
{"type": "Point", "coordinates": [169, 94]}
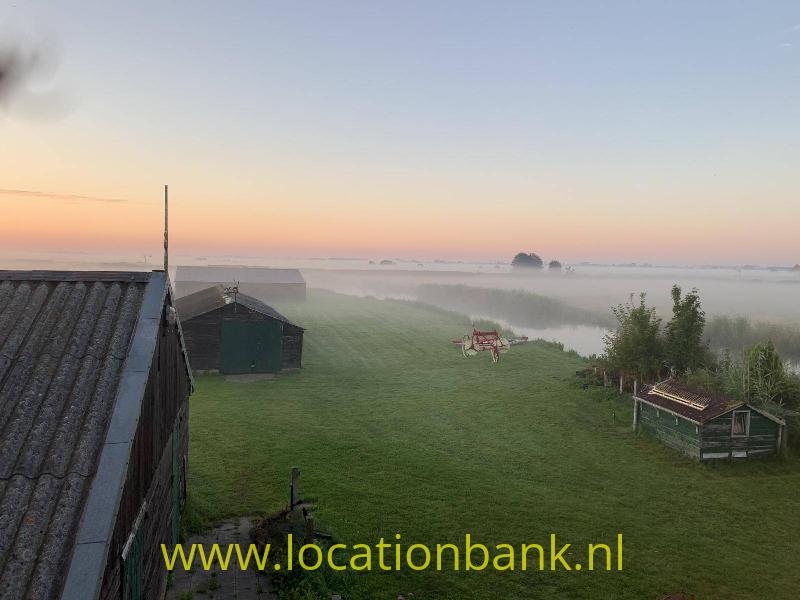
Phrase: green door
{"type": "Point", "coordinates": [251, 347]}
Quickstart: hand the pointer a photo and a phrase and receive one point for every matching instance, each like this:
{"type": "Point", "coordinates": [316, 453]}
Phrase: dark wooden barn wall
{"type": "Point", "coordinates": [149, 477]}
{"type": "Point", "coordinates": [292, 347]}
{"type": "Point", "coordinates": [202, 335]}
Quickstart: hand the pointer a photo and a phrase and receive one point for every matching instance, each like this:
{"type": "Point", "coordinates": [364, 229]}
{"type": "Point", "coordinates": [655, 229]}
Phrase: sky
{"type": "Point", "coordinates": [662, 132]}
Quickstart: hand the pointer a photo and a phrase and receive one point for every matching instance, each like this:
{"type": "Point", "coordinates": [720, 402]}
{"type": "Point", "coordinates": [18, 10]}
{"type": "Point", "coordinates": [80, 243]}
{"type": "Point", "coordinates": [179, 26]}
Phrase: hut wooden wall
{"type": "Point", "coordinates": [713, 437]}
{"type": "Point", "coordinates": [674, 431]}
{"type": "Point", "coordinates": [150, 473]}
{"type": "Point", "coordinates": [763, 437]}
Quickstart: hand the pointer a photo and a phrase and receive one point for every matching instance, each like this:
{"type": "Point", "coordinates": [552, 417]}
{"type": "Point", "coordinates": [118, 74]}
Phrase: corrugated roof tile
{"type": "Point", "coordinates": [64, 338]}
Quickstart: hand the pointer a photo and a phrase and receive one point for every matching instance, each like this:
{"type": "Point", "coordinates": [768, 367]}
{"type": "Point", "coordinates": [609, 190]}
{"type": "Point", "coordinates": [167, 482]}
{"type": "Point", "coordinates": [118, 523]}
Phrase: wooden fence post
{"type": "Point", "coordinates": [309, 530]}
{"type": "Point", "coordinates": [295, 493]}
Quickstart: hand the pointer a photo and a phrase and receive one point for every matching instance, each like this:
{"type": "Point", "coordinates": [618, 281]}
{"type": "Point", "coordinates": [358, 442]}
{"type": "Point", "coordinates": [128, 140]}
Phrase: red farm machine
{"type": "Point", "coordinates": [481, 341]}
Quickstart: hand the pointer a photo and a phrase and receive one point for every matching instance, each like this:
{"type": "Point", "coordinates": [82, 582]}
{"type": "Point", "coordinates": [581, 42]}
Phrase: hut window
{"type": "Point", "coordinates": [741, 423]}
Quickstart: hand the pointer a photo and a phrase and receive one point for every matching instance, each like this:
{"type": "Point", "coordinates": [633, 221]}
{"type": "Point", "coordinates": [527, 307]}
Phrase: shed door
{"type": "Point", "coordinates": [250, 346]}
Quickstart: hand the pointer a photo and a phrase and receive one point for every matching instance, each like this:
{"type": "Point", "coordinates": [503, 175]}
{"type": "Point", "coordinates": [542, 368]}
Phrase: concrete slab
{"type": "Point", "coordinates": [249, 377]}
{"type": "Point", "coordinates": [233, 584]}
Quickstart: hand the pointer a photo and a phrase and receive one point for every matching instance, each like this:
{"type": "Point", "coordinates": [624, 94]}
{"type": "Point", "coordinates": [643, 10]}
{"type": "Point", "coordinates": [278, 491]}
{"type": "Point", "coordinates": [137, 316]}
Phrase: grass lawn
{"type": "Point", "coordinates": [396, 432]}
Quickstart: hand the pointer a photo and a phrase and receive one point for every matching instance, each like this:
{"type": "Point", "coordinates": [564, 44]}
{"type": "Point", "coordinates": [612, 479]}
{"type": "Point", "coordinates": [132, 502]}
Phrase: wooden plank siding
{"type": "Point", "coordinates": [149, 477]}
{"type": "Point", "coordinates": [674, 431]}
{"type": "Point", "coordinates": [292, 346]}
{"type": "Point", "coordinates": [762, 438]}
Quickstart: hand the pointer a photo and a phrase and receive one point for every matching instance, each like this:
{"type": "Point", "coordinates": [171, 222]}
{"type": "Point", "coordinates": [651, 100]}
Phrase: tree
{"type": "Point", "coordinates": [685, 349]}
{"type": "Point", "coordinates": [554, 264]}
{"type": "Point", "coordinates": [635, 347]}
{"type": "Point", "coordinates": [527, 261]}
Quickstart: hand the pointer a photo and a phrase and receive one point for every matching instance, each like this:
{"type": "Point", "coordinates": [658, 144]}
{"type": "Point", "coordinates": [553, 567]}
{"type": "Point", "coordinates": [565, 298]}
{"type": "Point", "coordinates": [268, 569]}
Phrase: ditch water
{"type": "Point", "coordinates": [583, 339]}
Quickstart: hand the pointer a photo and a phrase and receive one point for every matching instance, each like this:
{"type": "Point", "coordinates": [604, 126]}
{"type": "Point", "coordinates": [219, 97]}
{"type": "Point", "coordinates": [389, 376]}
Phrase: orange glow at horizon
{"type": "Point", "coordinates": [353, 229]}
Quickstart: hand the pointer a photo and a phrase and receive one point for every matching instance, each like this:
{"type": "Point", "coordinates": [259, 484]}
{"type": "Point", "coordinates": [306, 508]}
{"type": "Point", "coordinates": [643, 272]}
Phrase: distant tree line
{"type": "Point", "coordinates": [531, 260]}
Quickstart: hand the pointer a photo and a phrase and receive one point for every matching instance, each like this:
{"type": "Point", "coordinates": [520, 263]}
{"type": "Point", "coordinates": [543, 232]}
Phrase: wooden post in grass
{"type": "Point", "coordinates": [295, 491]}
{"type": "Point", "coordinates": [605, 378]}
{"type": "Point", "coordinates": [621, 383]}
{"type": "Point", "coordinates": [309, 529]}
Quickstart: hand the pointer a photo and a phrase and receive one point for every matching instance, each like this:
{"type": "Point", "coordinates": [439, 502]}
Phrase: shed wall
{"type": "Point", "coordinates": [203, 332]}
{"type": "Point", "coordinates": [763, 438]}
{"type": "Point", "coordinates": [202, 335]}
{"type": "Point", "coordinates": [150, 473]}
{"type": "Point", "coordinates": [675, 432]}
{"type": "Point", "coordinates": [292, 347]}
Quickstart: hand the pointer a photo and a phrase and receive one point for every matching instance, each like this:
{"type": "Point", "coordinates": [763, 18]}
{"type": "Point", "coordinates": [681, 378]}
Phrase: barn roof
{"type": "Point", "coordinates": [75, 353]}
{"type": "Point", "coordinates": [691, 402]}
{"type": "Point", "coordinates": [230, 274]}
{"type": "Point", "coordinates": [200, 302]}
{"type": "Point", "coordinates": [204, 301]}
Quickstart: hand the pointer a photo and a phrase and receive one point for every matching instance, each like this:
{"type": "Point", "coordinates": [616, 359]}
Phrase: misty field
{"type": "Point", "coordinates": [395, 432]}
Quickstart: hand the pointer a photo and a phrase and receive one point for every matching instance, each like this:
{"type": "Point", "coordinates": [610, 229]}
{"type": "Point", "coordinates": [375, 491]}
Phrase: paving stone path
{"type": "Point", "coordinates": [232, 584]}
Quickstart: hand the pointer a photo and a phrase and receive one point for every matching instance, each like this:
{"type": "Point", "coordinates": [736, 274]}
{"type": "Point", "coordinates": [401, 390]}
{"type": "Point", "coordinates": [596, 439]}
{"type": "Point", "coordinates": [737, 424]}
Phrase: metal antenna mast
{"type": "Point", "coordinates": [166, 230]}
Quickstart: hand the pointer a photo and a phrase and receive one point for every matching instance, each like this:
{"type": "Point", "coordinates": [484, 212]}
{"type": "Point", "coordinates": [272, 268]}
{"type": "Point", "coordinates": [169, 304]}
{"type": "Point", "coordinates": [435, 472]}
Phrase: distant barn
{"type": "Point", "coordinates": [235, 333]}
{"type": "Point", "coordinates": [265, 284]}
{"type": "Point", "coordinates": [704, 425]}
{"type": "Point", "coordinates": [94, 389]}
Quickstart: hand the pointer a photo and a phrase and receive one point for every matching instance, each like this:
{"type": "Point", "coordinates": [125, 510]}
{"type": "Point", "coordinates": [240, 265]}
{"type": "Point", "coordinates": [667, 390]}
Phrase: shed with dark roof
{"type": "Point", "coordinates": [706, 425]}
{"type": "Point", "coordinates": [94, 387]}
{"type": "Point", "coordinates": [265, 284]}
{"type": "Point", "coordinates": [234, 333]}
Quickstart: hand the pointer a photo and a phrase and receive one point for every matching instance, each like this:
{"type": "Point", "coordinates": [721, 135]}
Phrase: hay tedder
{"type": "Point", "coordinates": [481, 341]}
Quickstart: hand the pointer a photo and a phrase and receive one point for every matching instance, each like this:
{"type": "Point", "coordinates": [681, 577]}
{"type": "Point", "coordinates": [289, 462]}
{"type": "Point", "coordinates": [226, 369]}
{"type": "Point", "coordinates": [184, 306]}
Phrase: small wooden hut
{"type": "Point", "coordinates": [705, 425]}
{"type": "Point", "coordinates": [235, 333]}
